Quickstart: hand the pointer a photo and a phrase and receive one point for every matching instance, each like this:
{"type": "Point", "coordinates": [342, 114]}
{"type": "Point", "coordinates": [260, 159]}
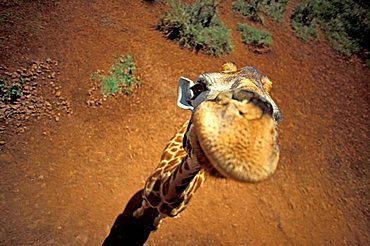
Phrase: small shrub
{"type": "Point", "coordinates": [120, 77]}
{"type": "Point", "coordinates": [274, 9]}
{"type": "Point", "coordinates": [252, 9]}
{"type": "Point", "coordinates": [10, 91]}
{"type": "Point", "coordinates": [303, 22]}
{"type": "Point", "coordinates": [253, 36]}
{"type": "Point", "coordinates": [346, 23]}
{"type": "Point", "coordinates": [196, 26]}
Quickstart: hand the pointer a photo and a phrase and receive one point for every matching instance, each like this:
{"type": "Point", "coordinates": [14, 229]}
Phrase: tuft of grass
{"type": "Point", "coordinates": [252, 9]}
{"type": "Point", "coordinates": [120, 77]}
{"type": "Point", "coordinates": [346, 23]}
{"type": "Point", "coordinates": [196, 26]}
{"type": "Point", "coordinates": [253, 36]}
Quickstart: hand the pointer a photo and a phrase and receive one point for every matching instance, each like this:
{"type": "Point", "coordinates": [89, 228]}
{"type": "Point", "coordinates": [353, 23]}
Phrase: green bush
{"type": "Point", "coordinates": [252, 9]}
{"type": "Point", "coordinates": [274, 9]}
{"type": "Point", "coordinates": [346, 23]}
{"type": "Point", "coordinates": [303, 22]}
{"type": "Point", "coordinates": [196, 26]}
{"type": "Point", "coordinates": [120, 77]}
{"type": "Point", "coordinates": [253, 36]}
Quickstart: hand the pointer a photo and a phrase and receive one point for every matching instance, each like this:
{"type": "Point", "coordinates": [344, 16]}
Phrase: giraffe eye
{"type": "Point", "coordinates": [197, 89]}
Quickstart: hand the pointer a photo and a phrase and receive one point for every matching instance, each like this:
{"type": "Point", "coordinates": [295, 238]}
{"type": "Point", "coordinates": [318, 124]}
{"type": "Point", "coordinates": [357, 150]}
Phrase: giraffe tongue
{"type": "Point", "coordinates": [238, 139]}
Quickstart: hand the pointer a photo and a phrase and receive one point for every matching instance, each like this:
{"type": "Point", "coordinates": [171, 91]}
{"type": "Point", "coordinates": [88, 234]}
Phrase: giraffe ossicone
{"type": "Point", "coordinates": [232, 134]}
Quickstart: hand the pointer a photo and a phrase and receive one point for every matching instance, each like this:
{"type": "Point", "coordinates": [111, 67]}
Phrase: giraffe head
{"type": "Point", "coordinates": [234, 122]}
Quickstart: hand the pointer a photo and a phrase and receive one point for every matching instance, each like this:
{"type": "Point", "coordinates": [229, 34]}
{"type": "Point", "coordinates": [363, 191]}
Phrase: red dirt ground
{"type": "Point", "coordinates": [64, 183]}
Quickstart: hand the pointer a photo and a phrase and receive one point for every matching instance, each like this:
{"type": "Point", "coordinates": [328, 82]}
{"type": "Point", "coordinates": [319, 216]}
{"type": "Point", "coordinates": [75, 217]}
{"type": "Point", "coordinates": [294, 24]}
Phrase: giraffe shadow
{"type": "Point", "coordinates": [128, 230]}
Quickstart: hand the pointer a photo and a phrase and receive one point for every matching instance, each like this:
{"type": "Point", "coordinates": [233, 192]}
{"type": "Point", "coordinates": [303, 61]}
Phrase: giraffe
{"type": "Point", "coordinates": [232, 133]}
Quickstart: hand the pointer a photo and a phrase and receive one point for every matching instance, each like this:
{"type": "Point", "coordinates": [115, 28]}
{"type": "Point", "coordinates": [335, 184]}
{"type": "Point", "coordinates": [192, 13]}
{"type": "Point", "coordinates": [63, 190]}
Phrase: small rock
{"type": "Point", "coordinates": [2, 142]}
{"type": "Point", "coordinates": [57, 118]}
{"type": "Point", "coordinates": [58, 93]}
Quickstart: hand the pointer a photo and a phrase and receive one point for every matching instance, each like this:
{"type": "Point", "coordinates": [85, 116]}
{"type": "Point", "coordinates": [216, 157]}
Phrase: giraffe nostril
{"type": "Point", "coordinates": [242, 95]}
{"type": "Point", "coordinates": [255, 98]}
{"type": "Point", "coordinates": [263, 104]}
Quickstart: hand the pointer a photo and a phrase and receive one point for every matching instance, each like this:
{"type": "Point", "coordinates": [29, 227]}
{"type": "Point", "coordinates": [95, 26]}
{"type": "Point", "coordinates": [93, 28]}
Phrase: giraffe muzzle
{"type": "Point", "coordinates": [238, 134]}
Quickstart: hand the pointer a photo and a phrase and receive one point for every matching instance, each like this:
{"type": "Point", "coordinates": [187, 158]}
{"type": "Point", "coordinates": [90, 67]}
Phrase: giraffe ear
{"type": "Point", "coordinates": [185, 94]}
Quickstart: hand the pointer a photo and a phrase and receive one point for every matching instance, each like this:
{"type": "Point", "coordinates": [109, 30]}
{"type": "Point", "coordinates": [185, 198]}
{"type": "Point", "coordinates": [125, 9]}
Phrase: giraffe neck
{"type": "Point", "coordinates": [182, 181]}
{"type": "Point", "coordinates": [177, 177]}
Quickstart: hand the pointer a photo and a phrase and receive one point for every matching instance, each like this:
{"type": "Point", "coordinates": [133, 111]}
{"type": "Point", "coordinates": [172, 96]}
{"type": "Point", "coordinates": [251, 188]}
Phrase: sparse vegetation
{"type": "Point", "coordinates": [252, 9]}
{"type": "Point", "coordinates": [120, 77]}
{"type": "Point", "coordinates": [196, 26]}
{"type": "Point", "coordinates": [10, 91]}
{"type": "Point", "coordinates": [254, 37]}
{"type": "Point", "coordinates": [31, 92]}
{"type": "Point", "coordinates": [346, 23]}
{"type": "Point", "coordinates": [4, 16]}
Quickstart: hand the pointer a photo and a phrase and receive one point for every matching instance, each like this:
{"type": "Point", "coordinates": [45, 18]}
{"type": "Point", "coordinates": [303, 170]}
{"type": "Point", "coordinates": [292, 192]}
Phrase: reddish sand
{"type": "Point", "coordinates": [64, 183]}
